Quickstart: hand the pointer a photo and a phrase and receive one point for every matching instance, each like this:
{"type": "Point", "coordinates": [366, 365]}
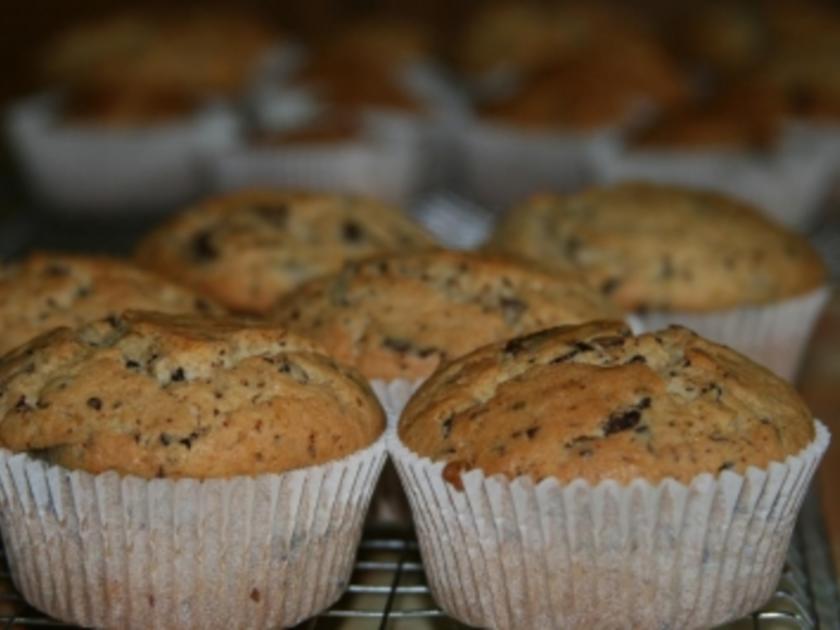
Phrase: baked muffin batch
{"type": "Point", "coordinates": [591, 414]}
{"type": "Point", "coordinates": [531, 381]}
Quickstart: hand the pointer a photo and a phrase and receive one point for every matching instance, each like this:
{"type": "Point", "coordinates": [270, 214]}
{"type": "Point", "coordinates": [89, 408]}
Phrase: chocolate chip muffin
{"type": "Point", "coordinates": [656, 247]}
{"type": "Point", "coordinates": [580, 477]}
{"type": "Point", "coordinates": [157, 395]}
{"type": "Point", "coordinates": [401, 316]}
{"type": "Point", "coordinates": [595, 402]}
{"type": "Point", "coordinates": [248, 248]}
{"type": "Point", "coordinates": [47, 290]}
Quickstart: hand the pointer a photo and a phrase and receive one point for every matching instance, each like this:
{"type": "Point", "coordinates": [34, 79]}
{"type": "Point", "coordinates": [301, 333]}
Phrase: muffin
{"type": "Point", "coordinates": [596, 479]}
{"type": "Point", "coordinates": [248, 248]}
{"type": "Point", "coordinates": [400, 316]}
{"type": "Point", "coordinates": [548, 131]}
{"type": "Point", "coordinates": [48, 290]}
{"type": "Point", "coordinates": [679, 255]}
{"type": "Point", "coordinates": [216, 470]}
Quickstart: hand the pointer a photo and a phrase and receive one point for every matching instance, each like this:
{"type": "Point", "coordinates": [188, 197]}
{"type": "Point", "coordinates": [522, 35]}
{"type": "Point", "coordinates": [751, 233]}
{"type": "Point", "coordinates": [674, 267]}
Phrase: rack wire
{"type": "Point", "coordinates": [388, 589]}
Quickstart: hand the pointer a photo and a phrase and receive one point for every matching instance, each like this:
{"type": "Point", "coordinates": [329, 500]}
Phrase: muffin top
{"type": "Point", "coordinates": [248, 248]}
{"type": "Point", "coordinates": [725, 125]}
{"type": "Point", "coordinates": [601, 86]}
{"type": "Point", "coordinates": [594, 402]}
{"type": "Point", "coordinates": [158, 395]}
{"type": "Point", "coordinates": [664, 247]}
{"type": "Point", "coordinates": [401, 316]}
{"type": "Point", "coordinates": [48, 290]}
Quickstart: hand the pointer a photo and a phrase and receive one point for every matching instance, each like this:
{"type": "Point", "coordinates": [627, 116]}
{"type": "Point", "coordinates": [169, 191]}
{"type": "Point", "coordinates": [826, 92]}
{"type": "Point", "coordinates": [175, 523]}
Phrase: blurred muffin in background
{"type": "Point", "coordinates": [48, 290]}
{"type": "Point", "coordinates": [521, 38]}
{"type": "Point", "coordinates": [248, 248]}
{"type": "Point", "coordinates": [130, 69]}
{"type": "Point", "coordinates": [722, 37]}
{"type": "Point", "coordinates": [601, 86]}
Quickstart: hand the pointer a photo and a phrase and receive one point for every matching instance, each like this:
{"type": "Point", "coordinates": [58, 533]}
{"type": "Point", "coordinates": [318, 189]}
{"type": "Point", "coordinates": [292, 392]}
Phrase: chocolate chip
{"type": "Point", "coordinates": [94, 403]}
{"type": "Point", "coordinates": [255, 595]}
{"type": "Point", "coordinates": [55, 270]}
{"type": "Point", "coordinates": [178, 374]}
{"type": "Point", "coordinates": [352, 232]}
{"type": "Point", "coordinates": [396, 344]}
{"type": "Point", "coordinates": [131, 364]}
{"type": "Point", "coordinates": [273, 215]}
{"type": "Point", "coordinates": [531, 432]}
{"type": "Point", "coordinates": [518, 345]}
{"type": "Point", "coordinates": [512, 309]}
{"type": "Point", "coordinates": [203, 249]}
{"type": "Point", "coordinates": [621, 421]}
{"type": "Point", "coordinates": [609, 286]}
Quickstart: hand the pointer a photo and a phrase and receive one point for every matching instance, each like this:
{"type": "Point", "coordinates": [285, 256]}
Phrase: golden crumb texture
{"type": "Point", "coordinates": [246, 249]}
{"type": "Point", "coordinates": [594, 402]}
{"type": "Point", "coordinates": [158, 395]}
{"type": "Point", "coordinates": [401, 316]}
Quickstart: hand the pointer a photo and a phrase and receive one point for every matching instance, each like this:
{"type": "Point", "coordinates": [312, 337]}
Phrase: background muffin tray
{"type": "Point", "coordinates": [388, 587]}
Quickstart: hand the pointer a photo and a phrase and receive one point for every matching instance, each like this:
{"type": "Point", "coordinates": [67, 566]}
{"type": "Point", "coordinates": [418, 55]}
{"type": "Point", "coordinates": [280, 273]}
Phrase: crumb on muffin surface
{"type": "Point", "coordinates": [594, 402]}
{"type": "Point", "coordinates": [155, 395]}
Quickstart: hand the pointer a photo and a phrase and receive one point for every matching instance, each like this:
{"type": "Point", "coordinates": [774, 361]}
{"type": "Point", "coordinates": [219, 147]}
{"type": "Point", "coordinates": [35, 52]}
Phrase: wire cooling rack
{"type": "Point", "coordinates": [388, 589]}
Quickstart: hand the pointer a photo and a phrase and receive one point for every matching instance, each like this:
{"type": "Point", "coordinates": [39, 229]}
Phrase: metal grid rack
{"type": "Point", "coordinates": [388, 590]}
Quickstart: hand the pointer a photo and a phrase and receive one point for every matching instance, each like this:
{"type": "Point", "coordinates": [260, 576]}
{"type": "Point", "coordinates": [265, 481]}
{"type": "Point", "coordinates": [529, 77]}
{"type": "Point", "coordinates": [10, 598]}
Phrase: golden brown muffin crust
{"type": "Point", "coordinates": [400, 316]}
{"type": "Point", "coordinates": [47, 290]}
{"type": "Point", "coordinates": [158, 395]}
{"type": "Point", "coordinates": [664, 247]}
{"type": "Point", "coordinates": [595, 402]}
{"type": "Point", "coordinates": [248, 248]}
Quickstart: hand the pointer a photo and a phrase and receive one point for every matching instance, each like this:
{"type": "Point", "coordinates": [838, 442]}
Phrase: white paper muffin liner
{"type": "Point", "coordinates": [367, 166]}
{"type": "Point", "coordinates": [789, 184]}
{"type": "Point", "coordinates": [389, 505]}
{"type": "Point", "coordinates": [775, 335]}
{"type": "Point", "coordinates": [96, 169]}
{"type": "Point", "coordinates": [503, 165]}
{"type": "Point", "coordinates": [114, 551]}
{"type": "Point", "coordinates": [514, 554]}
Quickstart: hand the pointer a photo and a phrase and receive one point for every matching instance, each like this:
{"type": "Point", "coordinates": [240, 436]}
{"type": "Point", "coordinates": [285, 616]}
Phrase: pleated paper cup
{"type": "Point", "coordinates": [365, 166]}
{"type": "Point", "coordinates": [112, 551]}
{"type": "Point", "coordinates": [514, 554]}
{"type": "Point", "coordinates": [775, 335]}
{"type": "Point", "coordinates": [389, 505]}
{"type": "Point", "coordinates": [502, 165]}
{"type": "Point", "coordinates": [100, 169]}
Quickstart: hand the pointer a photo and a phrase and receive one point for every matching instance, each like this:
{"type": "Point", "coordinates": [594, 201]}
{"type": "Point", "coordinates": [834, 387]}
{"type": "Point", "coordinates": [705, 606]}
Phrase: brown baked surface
{"type": "Point", "coordinates": [664, 247]}
{"type": "Point", "coordinates": [248, 248]}
{"type": "Point", "coordinates": [400, 316]}
{"type": "Point", "coordinates": [176, 396]}
{"type": "Point", "coordinates": [595, 402]}
{"type": "Point", "coordinates": [47, 290]}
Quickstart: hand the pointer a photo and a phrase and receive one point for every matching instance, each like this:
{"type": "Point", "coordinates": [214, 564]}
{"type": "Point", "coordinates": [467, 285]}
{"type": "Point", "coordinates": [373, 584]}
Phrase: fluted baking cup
{"type": "Point", "coordinates": [389, 505]}
{"type": "Point", "coordinates": [502, 165]}
{"type": "Point", "coordinates": [113, 551]}
{"type": "Point", "coordinates": [515, 554]}
{"type": "Point", "coordinates": [789, 183]}
{"type": "Point", "coordinates": [104, 169]}
{"type": "Point", "coordinates": [775, 335]}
